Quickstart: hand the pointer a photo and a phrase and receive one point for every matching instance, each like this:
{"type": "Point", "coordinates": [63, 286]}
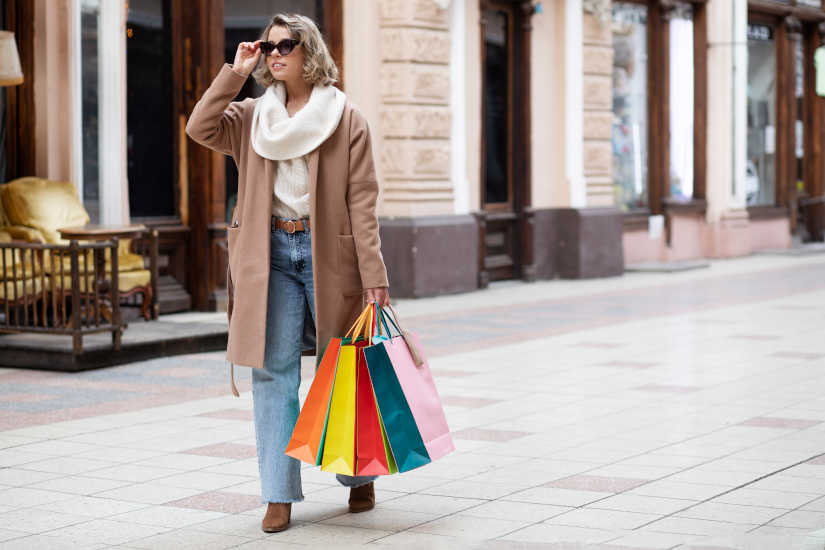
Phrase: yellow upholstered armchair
{"type": "Point", "coordinates": [34, 209]}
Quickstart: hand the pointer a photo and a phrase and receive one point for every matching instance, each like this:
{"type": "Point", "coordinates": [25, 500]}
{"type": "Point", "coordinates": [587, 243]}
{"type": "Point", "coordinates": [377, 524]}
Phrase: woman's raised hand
{"type": "Point", "coordinates": [247, 56]}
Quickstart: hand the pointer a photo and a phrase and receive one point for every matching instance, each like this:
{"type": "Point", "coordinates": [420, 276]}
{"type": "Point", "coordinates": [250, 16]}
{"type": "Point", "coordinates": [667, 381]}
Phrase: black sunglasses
{"type": "Point", "coordinates": [284, 47]}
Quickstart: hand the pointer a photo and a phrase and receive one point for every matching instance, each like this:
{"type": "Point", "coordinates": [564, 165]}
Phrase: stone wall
{"type": "Point", "coordinates": [598, 110]}
{"type": "Point", "coordinates": [414, 108]}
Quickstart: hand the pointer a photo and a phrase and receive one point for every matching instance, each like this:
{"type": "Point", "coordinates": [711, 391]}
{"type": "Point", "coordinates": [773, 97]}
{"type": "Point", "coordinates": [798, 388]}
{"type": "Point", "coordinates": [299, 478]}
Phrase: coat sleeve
{"type": "Point", "coordinates": [216, 121]}
{"type": "Point", "coordinates": [362, 196]}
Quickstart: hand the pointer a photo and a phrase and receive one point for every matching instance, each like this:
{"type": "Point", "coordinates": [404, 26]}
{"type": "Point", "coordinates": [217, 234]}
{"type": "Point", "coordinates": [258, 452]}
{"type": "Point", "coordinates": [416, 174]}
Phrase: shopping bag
{"type": "Point", "coordinates": [419, 388]}
{"type": "Point", "coordinates": [307, 441]}
{"type": "Point", "coordinates": [391, 466]}
{"type": "Point", "coordinates": [339, 442]}
{"type": "Point", "coordinates": [370, 453]}
{"type": "Point", "coordinates": [405, 441]}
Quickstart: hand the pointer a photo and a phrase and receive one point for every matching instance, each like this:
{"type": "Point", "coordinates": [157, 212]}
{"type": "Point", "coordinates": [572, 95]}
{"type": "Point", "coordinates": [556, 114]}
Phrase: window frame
{"type": "Point", "coordinates": [807, 24]}
{"type": "Point", "coordinates": [658, 105]}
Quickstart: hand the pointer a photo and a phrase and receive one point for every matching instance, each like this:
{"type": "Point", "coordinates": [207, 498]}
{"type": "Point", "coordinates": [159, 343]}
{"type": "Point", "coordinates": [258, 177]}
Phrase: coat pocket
{"type": "Point", "coordinates": [348, 274]}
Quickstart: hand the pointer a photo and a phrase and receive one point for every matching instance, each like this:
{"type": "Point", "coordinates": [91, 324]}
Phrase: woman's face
{"type": "Point", "coordinates": [290, 67]}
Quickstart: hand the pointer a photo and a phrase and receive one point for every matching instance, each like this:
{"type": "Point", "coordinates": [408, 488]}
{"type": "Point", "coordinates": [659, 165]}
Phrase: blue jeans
{"type": "Point", "coordinates": [275, 387]}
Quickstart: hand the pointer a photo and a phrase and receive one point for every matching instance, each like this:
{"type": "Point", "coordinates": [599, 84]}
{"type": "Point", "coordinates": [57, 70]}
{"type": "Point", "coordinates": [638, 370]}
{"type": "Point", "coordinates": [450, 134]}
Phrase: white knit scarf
{"type": "Point", "coordinates": [277, 136]}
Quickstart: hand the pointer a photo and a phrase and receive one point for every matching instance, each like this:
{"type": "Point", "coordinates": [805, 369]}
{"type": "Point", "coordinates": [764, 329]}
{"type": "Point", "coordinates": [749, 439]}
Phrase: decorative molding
{"type": "Point", "coordinates": [598, 8]}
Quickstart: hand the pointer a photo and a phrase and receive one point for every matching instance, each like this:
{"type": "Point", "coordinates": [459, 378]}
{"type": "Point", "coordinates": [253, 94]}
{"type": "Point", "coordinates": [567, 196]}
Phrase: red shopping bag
{"type": "Point", "coordinates": [370, 453]}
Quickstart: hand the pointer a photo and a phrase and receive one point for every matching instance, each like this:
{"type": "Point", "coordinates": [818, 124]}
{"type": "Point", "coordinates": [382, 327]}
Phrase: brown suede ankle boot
{"type": "Point", "coordinates": [277, 517]}
{"type": "Point", "coordinates": [362, 498]}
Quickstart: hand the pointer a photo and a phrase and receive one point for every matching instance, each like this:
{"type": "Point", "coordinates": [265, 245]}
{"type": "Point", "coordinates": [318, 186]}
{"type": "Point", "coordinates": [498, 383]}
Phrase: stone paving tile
{"type": "Point", "coordinates": [188, 539]}
{"type": "Point", "coordinates": [604, 519]}
{"type": "Point", "coordinates": [103, 531]}
{"type": "Point", "coordinates": [230, 414]}
{"type": "Point", "coordinates": [600, 484]}
{"type": "Point", "coordinates": [776, 422]}
{"type": "Point", "coordinates": [218, 501]}
{"type": "Point", "coordinates": [480, 434]}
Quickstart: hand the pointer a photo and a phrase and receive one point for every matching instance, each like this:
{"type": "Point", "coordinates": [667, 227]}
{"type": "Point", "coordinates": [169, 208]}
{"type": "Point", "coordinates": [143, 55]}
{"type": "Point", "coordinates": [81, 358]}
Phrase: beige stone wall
{"type": "Point", "coordinates": [472, 86]}
{"type": "Point", "coordinates": [53, 93]}
{"type": "Point", "coordinates": [414, 112]}
{"type": "Point", "coordinates": [547, 95]}
{"type": "Point", "coordinates": [598, 110]}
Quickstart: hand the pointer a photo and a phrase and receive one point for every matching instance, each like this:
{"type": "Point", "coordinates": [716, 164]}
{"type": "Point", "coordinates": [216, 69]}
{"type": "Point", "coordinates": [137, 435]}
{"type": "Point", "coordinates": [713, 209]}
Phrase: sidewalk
{"type": "Point", "coordinates": [680, 410]}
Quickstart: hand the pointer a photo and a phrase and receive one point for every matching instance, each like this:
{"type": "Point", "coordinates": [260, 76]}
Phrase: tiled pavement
{"type": "Point", "coordinates": [651, 411]}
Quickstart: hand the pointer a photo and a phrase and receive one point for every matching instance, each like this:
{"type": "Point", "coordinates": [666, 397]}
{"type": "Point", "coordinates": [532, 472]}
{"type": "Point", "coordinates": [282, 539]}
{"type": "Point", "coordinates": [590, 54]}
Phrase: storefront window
{"type": "Point", "coordinates": [629, 135]}
{"type": "Point", "coordinates": [681, 103]}
{"type": "Point", "coordinates": [497, 67]}
{"type": "Point", "coordinates": [761, 161]}
{"type": "Point", "coordinates": [150, 117]}
{"type": "Point", "coordinates": [89, 24]}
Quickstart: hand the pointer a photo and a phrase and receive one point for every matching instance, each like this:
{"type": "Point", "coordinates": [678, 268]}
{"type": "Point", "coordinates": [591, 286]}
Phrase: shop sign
{"type": "Point", "coordinates": [760, 32]}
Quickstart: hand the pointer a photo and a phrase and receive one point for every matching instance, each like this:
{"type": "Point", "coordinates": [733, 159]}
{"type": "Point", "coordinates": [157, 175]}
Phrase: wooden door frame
{"type": "Point", "coordinates": [519, 142]}
{"type": "Point", "coordinates": [814, 116]}
{"type": "Point", "coordinates": [790, 23]}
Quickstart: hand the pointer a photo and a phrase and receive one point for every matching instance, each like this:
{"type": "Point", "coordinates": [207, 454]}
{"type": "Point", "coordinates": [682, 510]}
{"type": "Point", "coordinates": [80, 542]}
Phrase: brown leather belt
{"type": "Point", "coordinates": [291, 226]}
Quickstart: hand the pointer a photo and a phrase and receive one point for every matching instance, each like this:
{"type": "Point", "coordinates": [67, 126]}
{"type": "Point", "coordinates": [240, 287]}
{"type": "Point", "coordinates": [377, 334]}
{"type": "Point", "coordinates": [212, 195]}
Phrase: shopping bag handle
{"type": "Point", "coordinates": [416, 355]}
{"type": "Point", "coordinates": [384, 317]}
{"type": "Point", "coordinates": [358, 325]}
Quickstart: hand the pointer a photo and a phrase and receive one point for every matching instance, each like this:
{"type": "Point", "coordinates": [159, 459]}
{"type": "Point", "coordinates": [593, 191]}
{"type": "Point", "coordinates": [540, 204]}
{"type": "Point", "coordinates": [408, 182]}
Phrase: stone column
{"type": "Point", "coordinates": [414, 108]}
{"type": "Point", "coordinates": [727, 231]}
{"type": "Point", "coordinates": [53, 95]}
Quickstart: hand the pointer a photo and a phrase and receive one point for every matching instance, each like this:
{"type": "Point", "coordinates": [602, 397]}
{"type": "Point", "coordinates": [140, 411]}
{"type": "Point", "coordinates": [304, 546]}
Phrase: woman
{"type": "Point", "coordinates": [303, 241]}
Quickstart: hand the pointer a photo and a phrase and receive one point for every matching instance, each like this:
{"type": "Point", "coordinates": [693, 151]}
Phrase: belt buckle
{"type": "Point", "coordinates": [290, 224]}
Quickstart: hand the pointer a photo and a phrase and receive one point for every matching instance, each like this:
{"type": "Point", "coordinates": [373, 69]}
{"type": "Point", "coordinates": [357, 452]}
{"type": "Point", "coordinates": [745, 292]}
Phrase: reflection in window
{"type": "Point", "coordinates": [681, 103]}
{"type": "Point", "coordinates": [761, 160]}
{"type": "Point", "coordinates": [629, 134]}
{"type": "Point", "coordinates": [245, 20]}
{"type": "Point", "coordinates": [150, 115]}
{"type": "Point", "coordinates": [496, 71]}
{"type": "Point", "coordinates": [89, 24]}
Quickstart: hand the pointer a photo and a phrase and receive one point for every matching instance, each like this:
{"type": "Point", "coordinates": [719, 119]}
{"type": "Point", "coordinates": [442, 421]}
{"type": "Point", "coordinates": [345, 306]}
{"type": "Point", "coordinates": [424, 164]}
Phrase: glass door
{"type": "Point", "coordinates": [149, 105]}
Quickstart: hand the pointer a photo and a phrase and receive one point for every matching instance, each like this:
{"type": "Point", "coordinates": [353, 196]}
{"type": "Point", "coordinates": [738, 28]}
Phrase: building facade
{"type": "Point", "coordinates": [513, 139]}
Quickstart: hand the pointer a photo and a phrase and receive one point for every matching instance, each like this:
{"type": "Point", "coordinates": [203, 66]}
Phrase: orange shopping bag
{"type": "Point", "coordinates": [307, 439]}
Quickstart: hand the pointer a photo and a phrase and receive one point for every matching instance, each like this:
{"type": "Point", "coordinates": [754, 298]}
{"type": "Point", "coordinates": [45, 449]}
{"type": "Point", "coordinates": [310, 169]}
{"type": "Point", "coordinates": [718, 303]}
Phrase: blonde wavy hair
{"type": "Point", "coordinates": [319, 67]}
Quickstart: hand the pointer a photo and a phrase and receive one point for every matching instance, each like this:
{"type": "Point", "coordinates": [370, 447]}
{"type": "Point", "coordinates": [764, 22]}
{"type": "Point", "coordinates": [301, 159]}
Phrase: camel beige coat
{"type": "Point", "coordinates": [346, 249]}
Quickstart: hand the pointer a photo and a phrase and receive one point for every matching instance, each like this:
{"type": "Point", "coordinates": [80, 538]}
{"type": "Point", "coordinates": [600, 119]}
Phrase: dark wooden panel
{"type": "Point", "coordinates": [700, 99]}
{"type": "Point", "coordinates": [20, 110]}
{"type": "Point", "coordinates": [333, 26]}
{"type": "Point", "coordinates": [814, 118]}
{"type": "Point", "coordinates": [198, 43]}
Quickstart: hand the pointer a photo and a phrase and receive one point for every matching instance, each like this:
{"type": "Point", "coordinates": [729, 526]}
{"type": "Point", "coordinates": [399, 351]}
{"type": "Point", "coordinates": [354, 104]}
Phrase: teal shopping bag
{"type": "Point", "coordinates": [402, 432]}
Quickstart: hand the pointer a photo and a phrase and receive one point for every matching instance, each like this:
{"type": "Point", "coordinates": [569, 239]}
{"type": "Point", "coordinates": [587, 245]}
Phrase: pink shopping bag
{"type": "Point", "coordinates": [419, 389]}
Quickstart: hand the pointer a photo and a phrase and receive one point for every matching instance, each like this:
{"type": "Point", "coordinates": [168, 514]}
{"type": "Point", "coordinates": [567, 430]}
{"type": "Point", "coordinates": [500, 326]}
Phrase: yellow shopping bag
{"type": "Point", "coordinates": [339, 443]}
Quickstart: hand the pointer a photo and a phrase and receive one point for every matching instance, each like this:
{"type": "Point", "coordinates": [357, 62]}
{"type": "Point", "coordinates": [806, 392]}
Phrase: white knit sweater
{"type": "Point", "coordinates": [288, 139]}
{"type": "Point", "coordinates": [291, 196]}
